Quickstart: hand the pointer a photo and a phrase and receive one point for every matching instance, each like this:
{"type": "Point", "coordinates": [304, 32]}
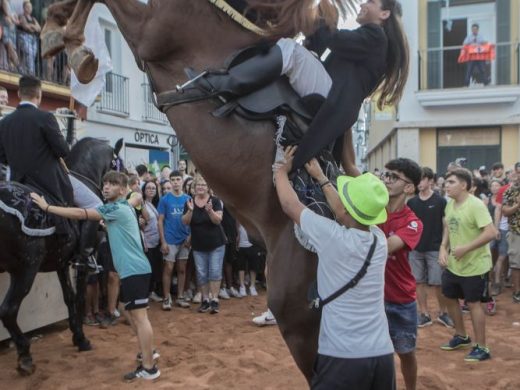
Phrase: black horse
{"type": "Point", "coordinates": [25, 254]}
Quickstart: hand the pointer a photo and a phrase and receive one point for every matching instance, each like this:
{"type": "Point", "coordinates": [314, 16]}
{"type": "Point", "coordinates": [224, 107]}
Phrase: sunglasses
{"type": "Point", "coordinates": [392, 177]}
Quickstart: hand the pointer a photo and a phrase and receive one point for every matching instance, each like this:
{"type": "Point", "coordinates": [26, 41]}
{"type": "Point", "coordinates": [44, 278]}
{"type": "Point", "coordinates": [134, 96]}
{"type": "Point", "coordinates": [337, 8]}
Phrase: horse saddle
{"type": "Point", "coordinates": [15, 199]}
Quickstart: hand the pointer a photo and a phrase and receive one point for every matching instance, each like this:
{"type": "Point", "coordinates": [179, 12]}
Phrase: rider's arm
{"type": "Point", "coordinates": [357, 44]}
{"type": "Point", "coordinates": [66, 212]}
{"type": "Point", "coordinates": [52, 134]}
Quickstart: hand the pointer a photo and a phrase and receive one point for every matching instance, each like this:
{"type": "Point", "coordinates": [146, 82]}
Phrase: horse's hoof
{"type": "Point", "coordinates": [52, 43]}
{"type": "Point", "coordinates": [84, 64]}
{"type": "Point", "coordinates": [25, 366]}
{"type": "Point", "coordinates": [84, 345]}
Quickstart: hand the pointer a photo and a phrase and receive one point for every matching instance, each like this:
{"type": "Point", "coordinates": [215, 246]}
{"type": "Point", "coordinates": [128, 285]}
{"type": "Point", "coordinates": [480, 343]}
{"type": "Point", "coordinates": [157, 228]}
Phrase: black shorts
{"type": "Point", "coordinates": [134, 291]}
{"type": "Point", "coordinates": [105, 256]}
{"type": "Point", "coordinates": [374, 373]}
{"type": "Point", "coordinates": [250, 259]}
{"type": "Point", "coordinates": [470, 288]}
{"type": "Point", "coordinates": [230, 256]}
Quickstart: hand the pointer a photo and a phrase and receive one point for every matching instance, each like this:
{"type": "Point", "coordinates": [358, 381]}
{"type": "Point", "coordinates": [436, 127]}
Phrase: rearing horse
{"type": "Point", "coordinates": [23, 256]}
{"type": "Point", "coordinates": [234, 155]}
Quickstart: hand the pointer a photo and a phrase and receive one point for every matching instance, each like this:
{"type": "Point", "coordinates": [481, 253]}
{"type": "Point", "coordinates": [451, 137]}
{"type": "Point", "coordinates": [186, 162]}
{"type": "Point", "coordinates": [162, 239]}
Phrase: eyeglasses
{"type": "Point", "coordinates": [392, 177]}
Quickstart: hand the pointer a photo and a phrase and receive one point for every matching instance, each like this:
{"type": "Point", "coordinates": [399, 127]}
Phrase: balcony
{"type": "Point", "coordinates": [443, 81]}
{"type": "Point", "coordinates": [151, 113]}
{"type": "Point", "coordinates": [114, 97]}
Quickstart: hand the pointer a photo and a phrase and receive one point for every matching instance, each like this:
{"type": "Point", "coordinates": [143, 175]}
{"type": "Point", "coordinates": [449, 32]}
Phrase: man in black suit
{"type": "Point", "coordinates": [31, 144]}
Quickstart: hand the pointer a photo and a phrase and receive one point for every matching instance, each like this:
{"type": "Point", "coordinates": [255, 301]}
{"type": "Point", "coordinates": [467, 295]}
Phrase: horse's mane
{"type": "Point", "coordinates": [287, 18]}
{"type": "Point", "coordinates": [89, 155]}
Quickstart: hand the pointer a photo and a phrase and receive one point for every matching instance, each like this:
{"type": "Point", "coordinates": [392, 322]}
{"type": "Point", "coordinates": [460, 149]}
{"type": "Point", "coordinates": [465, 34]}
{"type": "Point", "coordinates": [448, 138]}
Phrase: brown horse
{"type": "Point", "coordinates": [234, 155]}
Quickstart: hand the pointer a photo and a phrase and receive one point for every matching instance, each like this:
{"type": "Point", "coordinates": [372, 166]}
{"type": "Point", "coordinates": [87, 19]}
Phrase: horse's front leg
{"type": "Point", "coordinates": [21, 282]}
{"type": "Point", "coordinates": [74, 307]}
{"type": "Point", "coordinates": [52, 33]}
{"type": "Point", "coordinates": [291, 272]}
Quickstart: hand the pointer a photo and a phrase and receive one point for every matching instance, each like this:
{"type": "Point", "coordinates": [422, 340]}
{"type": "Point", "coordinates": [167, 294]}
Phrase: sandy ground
{"type": "Point", "coordinates": [226, 351]}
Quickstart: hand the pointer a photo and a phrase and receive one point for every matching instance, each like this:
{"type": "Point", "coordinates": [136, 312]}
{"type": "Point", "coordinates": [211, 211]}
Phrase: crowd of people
{"type": "Point", "coordinates": [20, 42]}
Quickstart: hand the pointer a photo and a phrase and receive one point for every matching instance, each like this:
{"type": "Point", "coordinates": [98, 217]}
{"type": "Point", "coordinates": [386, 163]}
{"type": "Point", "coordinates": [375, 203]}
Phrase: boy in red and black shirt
{"type": "Point", "coordinates": [403, 231]}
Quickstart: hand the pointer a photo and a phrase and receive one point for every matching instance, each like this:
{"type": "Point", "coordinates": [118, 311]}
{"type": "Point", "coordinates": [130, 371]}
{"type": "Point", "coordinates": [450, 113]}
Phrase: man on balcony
{"type": "Point", "coordinates": [477, 54]}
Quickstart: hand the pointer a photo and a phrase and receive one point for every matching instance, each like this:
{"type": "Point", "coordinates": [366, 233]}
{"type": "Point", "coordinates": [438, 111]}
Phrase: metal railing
{"type": "Point", "coordinates": [22, 60]}
{"type": "Point", "coordinates": [439, 68]}
{"type": "Point", "coordinates": [151, 113]}
{"type": "Point", "coordinates": [114, 97]}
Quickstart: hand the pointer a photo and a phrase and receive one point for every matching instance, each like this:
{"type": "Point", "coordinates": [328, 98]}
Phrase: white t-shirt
{"type": "Point", "coordinates": [243, 239]}
{"type": "Point", "coordinates": [354, 325]}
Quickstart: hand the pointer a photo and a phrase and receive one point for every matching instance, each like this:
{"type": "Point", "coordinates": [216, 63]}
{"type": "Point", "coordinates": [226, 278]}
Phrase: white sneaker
{"type": "Point", "coordinates": [233, 292]}
{"type": "Point", "coordinates": [252, 291]}
{"type": "Point", "coordinates": [264, 319]}
{"type": "Point", "coordinates": [167, 304]}
{"type": "Point", "coordinates": [154, 297]}
{"type": "Point", "coordinates": [242, 291]}
{"type": "Point", "coordinates": [116, 313]}
{"type": "Point", "coordinates": [223, 294]}
{"type": "Point", "coordinates": [197, 298]}
{"type": "Point", "coordinates": [188, 295]}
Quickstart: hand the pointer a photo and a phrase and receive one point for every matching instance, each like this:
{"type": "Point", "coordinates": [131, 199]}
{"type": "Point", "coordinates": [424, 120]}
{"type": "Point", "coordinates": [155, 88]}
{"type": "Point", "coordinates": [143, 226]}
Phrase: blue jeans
{"type": "Point", "coordinates": [402, 324]}
{"type": "Point", "coordinates": [209, 265]}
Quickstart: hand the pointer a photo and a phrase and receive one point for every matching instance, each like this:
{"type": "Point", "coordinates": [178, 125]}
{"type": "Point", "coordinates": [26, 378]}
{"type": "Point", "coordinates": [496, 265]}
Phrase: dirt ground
{"type": "Point", "coordinates": [226, 351]}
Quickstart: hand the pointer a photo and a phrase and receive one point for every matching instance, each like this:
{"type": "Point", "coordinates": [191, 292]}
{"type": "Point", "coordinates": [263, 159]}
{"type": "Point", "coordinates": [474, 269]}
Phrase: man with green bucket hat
{"type": "Point", "coordinates": [354, 348]}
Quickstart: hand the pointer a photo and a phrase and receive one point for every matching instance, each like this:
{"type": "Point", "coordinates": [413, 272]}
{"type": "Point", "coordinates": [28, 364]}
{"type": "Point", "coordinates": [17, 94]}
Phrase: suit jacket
{"type": "Point", "coordinates": [356, 65]}
{"type": "Point", "coordinates": [31, 144]}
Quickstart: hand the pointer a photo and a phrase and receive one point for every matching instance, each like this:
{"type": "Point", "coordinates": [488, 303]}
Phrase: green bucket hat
{"type": "Point", "coordinates": [365, 198]}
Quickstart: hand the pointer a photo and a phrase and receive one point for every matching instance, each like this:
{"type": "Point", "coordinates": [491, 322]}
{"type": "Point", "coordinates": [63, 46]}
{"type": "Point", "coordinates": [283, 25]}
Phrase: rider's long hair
{"type": "Point", "coordinates": [286, 18]}
{"type": "Point", "coordinates": [398, 56]}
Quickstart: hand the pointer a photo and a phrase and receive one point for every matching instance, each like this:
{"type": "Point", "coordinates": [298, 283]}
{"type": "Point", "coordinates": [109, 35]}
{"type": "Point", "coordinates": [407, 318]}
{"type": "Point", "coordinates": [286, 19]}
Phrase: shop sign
{"type": "Point", "coordinates": [142, 137]}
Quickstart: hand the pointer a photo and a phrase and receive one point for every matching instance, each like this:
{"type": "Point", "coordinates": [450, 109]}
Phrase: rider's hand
{"type": "Point", "coordinates": [39, 200]}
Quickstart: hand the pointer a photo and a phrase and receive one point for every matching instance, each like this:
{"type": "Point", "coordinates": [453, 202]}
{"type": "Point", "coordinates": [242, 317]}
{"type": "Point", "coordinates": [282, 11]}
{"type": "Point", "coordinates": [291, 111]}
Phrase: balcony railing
{"type": "Point", "coordinates": [439, 68]}
{"type": "Point", "coordinates": [114, 97]}
{"type": "Point", "coordinates": [17, 61]}
{"type": "Point", "coordinates": [151, 113]}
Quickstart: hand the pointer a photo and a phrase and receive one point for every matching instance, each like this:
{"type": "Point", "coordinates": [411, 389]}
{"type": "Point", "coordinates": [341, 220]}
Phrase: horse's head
{"type": "Point", "coordinates": [92, 157]}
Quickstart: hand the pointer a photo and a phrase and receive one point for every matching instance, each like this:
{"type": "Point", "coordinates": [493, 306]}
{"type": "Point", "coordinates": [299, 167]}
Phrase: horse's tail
{"type": "Point", "coordinates": [285, 18]}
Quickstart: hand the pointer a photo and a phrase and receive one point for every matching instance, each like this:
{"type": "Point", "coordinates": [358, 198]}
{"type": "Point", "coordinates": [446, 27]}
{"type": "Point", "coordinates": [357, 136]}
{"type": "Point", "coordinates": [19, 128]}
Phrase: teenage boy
{"type": "Point", "coordinates": [403, 231]}
{"type": "Point", "coordinates": [424, 260]}
{"type": "Point", "coordinates": [173, 234]}
{"type": "Point", "coordinates": [354, 347]}
{"type": "Point", "coordinates": [129, 259]}
{"type": "Point", "coordinates": [465, 252]}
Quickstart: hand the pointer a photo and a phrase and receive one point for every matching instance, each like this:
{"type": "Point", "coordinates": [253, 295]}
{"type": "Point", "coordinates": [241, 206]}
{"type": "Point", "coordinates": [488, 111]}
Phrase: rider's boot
{"type": "Point", "coordinates": [245, 77]}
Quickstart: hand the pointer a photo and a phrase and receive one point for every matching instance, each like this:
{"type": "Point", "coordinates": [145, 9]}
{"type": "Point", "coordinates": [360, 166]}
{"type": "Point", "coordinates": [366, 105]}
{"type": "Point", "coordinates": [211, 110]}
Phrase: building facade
{"type": "Point", "coordinates": [441, 117]}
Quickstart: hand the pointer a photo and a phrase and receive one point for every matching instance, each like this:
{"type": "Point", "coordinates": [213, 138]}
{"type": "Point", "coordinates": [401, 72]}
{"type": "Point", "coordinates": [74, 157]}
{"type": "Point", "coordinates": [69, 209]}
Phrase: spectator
{"type": "Point", "coordinates": [248, 259]}
{"type": "Point", "coordinates": [166, 187]}
{"type": "Point", "coordinates": [497, 172]}
{"type": "Point", "coordinates": [143, 173]}
{"type": "Point", "coordinates": [165, 173]}
{"type": "Point", "coordinates": [475, 39]}
{"type": "Point", "coordinates": [182, 167]}
{"type": "Point", "coordinates": [203, 214]}
{"type": "Point", "coordinates": [429, 208]}
{"type": "Point", "coordinates": [4, 97]}
{"type": "Point", "coordinates": [354, 346]}
{"type": "Point", "coordinates": [464, 251]}
{"type": "Point", "coordinates": [151, 238]}
{"type": "Point", "coordinates": [28, 32]}
{"type": "Point", "coordinates": [174, 240]}
{"type": "Point", "coordinates": [511, 209]}
{"type": "Point", "coordinates": [499, 246]}
{"type": "Point", "coordinates": [229, 224]}
{"type": "Point", "coordinates": [403, 231]}
{"type": "Point", "coordinates": [129, 260]}
{"type": "Point", "coordinates": [8, 22]}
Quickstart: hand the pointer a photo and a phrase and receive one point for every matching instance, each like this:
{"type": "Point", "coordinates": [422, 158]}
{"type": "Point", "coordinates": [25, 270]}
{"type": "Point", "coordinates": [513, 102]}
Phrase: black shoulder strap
{"type": "Point", "coordinates": [355, 280]}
